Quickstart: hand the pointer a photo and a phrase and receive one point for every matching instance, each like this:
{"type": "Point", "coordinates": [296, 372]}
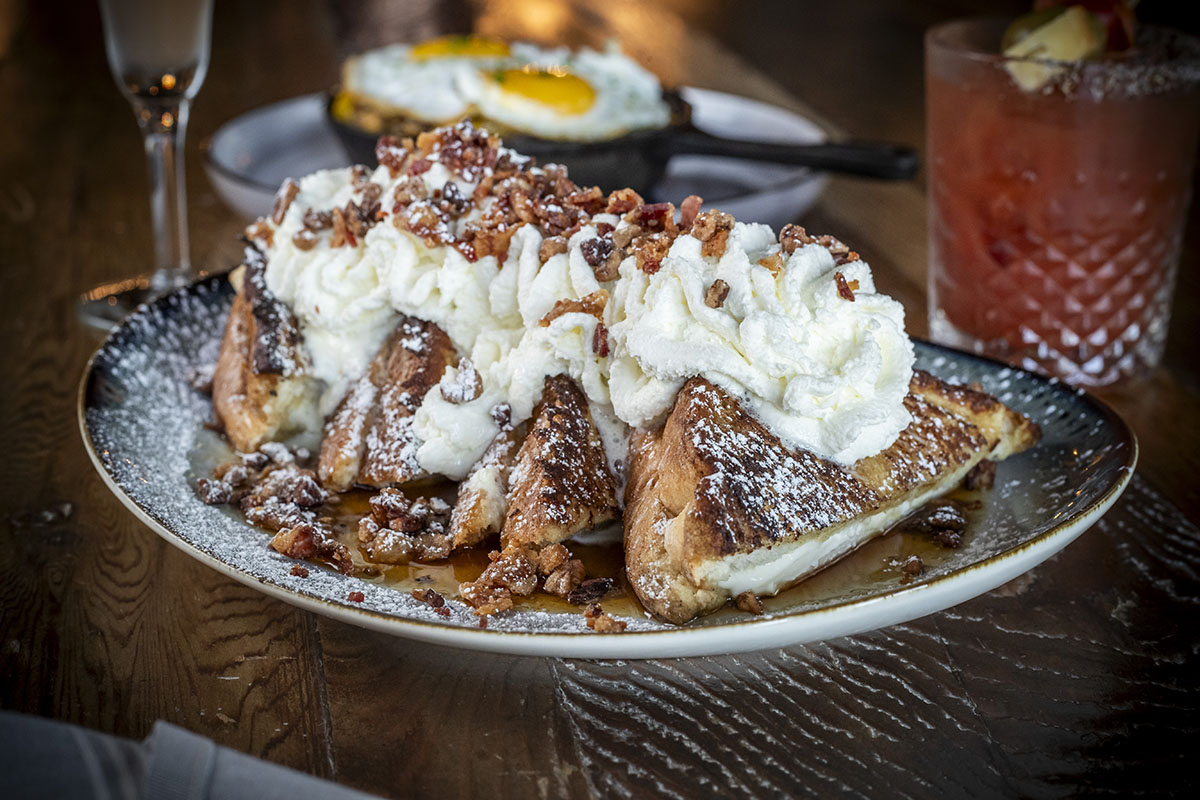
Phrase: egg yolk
{"type": "Point", "coordinates": [450, 46]}
{"type": "Point", "coordinates": [556, 88]}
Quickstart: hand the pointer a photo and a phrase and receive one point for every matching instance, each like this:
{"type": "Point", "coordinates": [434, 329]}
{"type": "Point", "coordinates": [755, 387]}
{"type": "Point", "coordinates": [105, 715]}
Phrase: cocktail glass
{"type": "Point", "coordinates": [1057, 203]}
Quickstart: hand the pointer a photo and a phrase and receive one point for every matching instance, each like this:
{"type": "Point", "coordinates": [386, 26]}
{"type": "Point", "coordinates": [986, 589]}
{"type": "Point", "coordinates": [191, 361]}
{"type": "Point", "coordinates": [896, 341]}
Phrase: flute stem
{"type": "Point", "coordinates": [163, 126]}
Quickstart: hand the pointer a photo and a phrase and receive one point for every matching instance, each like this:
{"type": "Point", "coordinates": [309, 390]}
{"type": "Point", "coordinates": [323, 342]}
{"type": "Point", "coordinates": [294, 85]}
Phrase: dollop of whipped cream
{"type": "Point", "coordinates": [823, 372]}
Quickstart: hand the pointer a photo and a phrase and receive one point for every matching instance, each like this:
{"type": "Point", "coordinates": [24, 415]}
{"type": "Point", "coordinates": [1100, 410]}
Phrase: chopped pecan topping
{"type": "Point", "coordinates": [317, 220]}
{"type": "Point", "coordinates": [304, 239]}
{"type": "Point", "coordinates": [654, 217]}
{"type": "Point", "coordinates": [299, 570]}
{"type": "Point", "coordinates": [911, 568]}
{"type": "Point", "coordinates": [650, 251]}
{"type": "Point", "coordinates": [360, 174]}
{"type": "Point", "coordinates": [590, 200]}
{"type": "Point", "coordinates": [551, 247]}
{"type": "Point", "coordinates": [712, 228]}
{"type": "Point", "coordinates": [400, 530]}
{"type": "Point", "coordinates": [565, 578]}
{"type": "Point", "coordinates": [749, 602]}
{"type": "Point", "coordinates": [342, 234]}
{"type": "Point", "coordinates": [214, 492]}
{"type": "Point", "coordinates": [513, 572]}
{"type": "Point", "coordinates": [601, 622]}
{"type": "Point", "coordinates": [296, 542]}
{"type": "Point", "coordinates": [942, 520]}
{"type": "Point", "coordinates": [453, 201]}
{"type": "Point", "coordinates": [843, 288]}
{"type": "Point", "coordinates": [392, 153]}
{"type": "Point", "coordinates": [834, 245]}
{"type": "Point", "coordinates": [793, 236]}
{"type": "Point", "coordinates": [623, 201]}
{"type": "Point", "coordinates": [847, 258]}
{"type": "Point", "coordinates": [356, 597]}
{"type": "Point", "coordinates": [283, 199]}
{"type": "Point", "coordinates": [590, 591]}
{"type": "Point", "coordinates": [261, 231]}
{"type": "Point", "coordinates": [429, 597]}
{"type": "Point", "coordinates": [716, 294]}
{"type": "Point", "coordinates": [552, 557]}
{"type": "Point", "coordinates": [688, 210]}
{"type": "Point", "coordinates": [592, 303]}
{"type": "Point", "coordinates": [596, 251]}
{"type": "Point", "coordinates": [600, 344]}
{"type": "Point", "coordinates": [502, 415]}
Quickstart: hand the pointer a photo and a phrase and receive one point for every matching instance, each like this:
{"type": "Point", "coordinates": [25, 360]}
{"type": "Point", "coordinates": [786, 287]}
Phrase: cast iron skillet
{"type": "Point", "coordinates": [639, 158]}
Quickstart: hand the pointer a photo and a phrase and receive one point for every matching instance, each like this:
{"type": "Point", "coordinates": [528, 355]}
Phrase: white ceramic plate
{"type": "Point", "coordinates": [249, 156]}
{"type": "Point", "coordinates": [143, 425]}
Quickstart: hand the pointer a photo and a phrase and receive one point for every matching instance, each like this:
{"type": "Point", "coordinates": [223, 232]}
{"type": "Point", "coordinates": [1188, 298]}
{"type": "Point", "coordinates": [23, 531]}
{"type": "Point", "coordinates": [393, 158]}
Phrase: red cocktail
{"type": "Point", "coordinates": [1057, 210]}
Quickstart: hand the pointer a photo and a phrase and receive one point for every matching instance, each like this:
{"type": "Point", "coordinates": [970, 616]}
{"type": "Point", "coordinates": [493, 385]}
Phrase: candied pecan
{"type": "Point", "coordinates": [592, 303]}
{"type": "Point", "coordinates": [360, 174]}
{"type": "Point", "coordinates": [650, 250]}
{"type": "Point", "coordinates": [610, 270]}
{"type": "Point", "coordinates": [453, 200]}
{"type": "Point", "coordinates": [297, 542]}
{"type": "Point", "coordinates": [715, 247]}
{"type": "Point", "coordinates": [552, 557]}
{"type": "Point", "coordinates": [749, 602]}
{"type": "Point", "coordinates": [773, 262]}
{"type": "Point", "coordinates": [391, 153]}
{"type": "Point", "coordinates": [653, 217]}
{"type": "Point", "coordinates": [623, 200]}
{"type": "Point", "coordinates": [624, 235]}
{"type": "Point", "coordinates": [843, 288]}
{"type": "Point", "coordinates": [283, 200]}
{"type": "Point", "coordinates": [716, 294]}
{"type": "Point", "coordinates": [911, 568]}
{"type": "Point", "coordinates": [317, 220]}
{"type": "Point", "coordinates": [214, 492]}
{"type": "Point", "coordinates": [590, 591]}
{"type": "Point", "coordinates": [591, 200]}
{"type": "Point", "coordinates": [512, 572]}
{"type": "Point", "coordinates": [596, 251]}
{"type": "Point", "coordinates": [524, 206]}
{"type": "Point", "coordinates": [792, 236]}
{"type": "Point", "coordinates": [688, 211]}
{"type": "Point", "coordinates": [847, 258]}
{"type": "Point", "coordinates": [260, 230]}
{"type": "Point", "coordinates": [834, 245]}
{"type": "Point", "coordinates": [420, 219]}
{"type": "Point", "coordinates": [552, 246]}
{"type": "Point", "coordinates": [277, 452]}
{"type": "Point", "coordinates": [304, 239]}
{"type": "Point", "coordinates": [565, 578]}
{"type": "Point", "coordinates": [605, 228]}
{"type": "Point", "coordinates": [299, 570]}
{"type": "Point", "coordinates": [407, 191]}
{"type": "Point", "coordinates": [342, 234]}
{"type": "Point", "coordinates": [981, 476]}
{"type": "Point", "coordinates": [600, 344]}
{"type": "Point", "coordinates": [420, 166]}
{"type": "Point", "coordinates": [942, 520]}
{"type": "Point", "coordinates": [601, 622]}
{"type": "Point", "coordinates": [429, 597]}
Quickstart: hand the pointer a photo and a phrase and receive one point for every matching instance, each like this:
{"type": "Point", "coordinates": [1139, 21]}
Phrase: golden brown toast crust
{"type": "Point", "coordinates": [714, 482]}
{"type": "Point", "coordinates": [369, 438]}
{"type": "Point", "coordinates": [561, 483]}
{"type": "Point", "coordinates": [259, 374]}
{"type": "Point", "coordinates": [482, 497]}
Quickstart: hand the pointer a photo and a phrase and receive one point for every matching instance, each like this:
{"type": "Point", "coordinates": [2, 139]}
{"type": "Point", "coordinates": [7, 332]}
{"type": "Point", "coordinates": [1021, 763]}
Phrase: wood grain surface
{"type": "Point", "coordinates": [1079, 677]}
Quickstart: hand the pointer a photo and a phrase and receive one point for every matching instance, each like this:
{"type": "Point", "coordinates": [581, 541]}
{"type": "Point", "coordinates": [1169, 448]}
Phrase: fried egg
{"type": "Point", "coordinates": [549, 93]}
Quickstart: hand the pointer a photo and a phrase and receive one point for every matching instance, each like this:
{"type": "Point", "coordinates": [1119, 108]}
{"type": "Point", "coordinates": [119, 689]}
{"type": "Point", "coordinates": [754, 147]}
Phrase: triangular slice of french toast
{"type": "Point", "coordinates": [561, 483]}
{"type": "Point", "coordinates": [260, 387]}
{"type": "Point", "coordinates": [716, 505]}
{"type": "Point", "coordinates": [368, 439]}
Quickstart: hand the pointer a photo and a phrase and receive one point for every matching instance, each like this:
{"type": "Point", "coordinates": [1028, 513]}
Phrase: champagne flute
{"type": "Point", "coordinates": [158, 53]}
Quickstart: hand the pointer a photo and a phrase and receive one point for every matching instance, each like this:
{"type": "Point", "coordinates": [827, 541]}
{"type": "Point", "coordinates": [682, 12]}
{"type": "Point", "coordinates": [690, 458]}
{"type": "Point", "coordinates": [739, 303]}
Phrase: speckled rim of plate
{"type": "Point", "coordinates": [741, 634]}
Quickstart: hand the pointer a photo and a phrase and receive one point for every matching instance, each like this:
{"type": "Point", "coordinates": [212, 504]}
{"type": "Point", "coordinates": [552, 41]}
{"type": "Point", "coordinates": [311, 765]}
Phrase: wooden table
{"type": "Point", "coordinates": [1078, 676]}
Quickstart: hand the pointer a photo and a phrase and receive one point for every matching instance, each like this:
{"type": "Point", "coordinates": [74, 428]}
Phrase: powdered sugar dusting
{"type": "Point", "coordinates": [146, 424]}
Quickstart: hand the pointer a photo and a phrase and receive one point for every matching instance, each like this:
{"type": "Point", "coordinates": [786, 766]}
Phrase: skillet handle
{"type": "Point", "coordinates": [866, 159]}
